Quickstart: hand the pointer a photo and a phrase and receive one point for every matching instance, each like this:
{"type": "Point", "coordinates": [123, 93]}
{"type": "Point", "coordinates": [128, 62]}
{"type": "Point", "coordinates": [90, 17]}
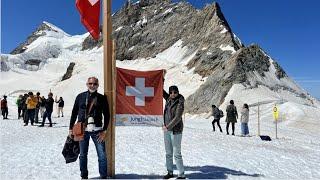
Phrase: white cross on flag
{"type": "Point", "coordinates": [139, 97]}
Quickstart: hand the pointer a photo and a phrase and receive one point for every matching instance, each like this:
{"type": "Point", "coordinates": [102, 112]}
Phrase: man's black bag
{"type": "Point", "coordinates": [71, 150]}
{"type": "Point", "coordinates": [265, 138]}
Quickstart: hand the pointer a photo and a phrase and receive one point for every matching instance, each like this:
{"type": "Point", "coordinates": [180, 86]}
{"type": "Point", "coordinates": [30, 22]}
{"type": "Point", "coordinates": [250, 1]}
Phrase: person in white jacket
{"type": "Point", "coordinates": [244, 120]}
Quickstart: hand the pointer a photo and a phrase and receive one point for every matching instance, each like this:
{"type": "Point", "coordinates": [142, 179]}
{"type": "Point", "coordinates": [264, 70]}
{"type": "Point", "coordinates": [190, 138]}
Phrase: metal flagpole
{"type": "Point", "coordinates": [108, 84]}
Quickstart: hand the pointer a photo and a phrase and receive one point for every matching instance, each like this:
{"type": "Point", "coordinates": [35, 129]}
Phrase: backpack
{"type": "Point", "coordinates": [221, 113]}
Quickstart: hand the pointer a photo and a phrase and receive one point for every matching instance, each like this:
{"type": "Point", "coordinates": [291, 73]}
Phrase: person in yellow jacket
{"type": "Point", "coordinates": [31, 108]}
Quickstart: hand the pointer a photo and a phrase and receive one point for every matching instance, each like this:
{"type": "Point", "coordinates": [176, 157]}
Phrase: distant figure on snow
{"type": "Point", "coordinates": [244, 120]}
{"type": "Point", "coordinates": [60, 106]}
{"type": "Point", "coordinates": [232, 116]}
{"type": "Point", "coordinates": [4, 107]}
{"type": "Point", "coordinates": [216, 113]}
{"type": "Point", "coordinates": [31, 108]}
{"type": "Point", "coordinates": [19, 104]}
{"type": "Point", "coordinates": [49, 109]}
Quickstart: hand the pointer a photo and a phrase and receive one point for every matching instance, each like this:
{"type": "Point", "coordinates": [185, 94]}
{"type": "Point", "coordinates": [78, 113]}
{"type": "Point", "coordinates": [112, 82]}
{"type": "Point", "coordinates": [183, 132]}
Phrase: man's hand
{"type": "Point", "coordinates": [102, 136]}
{"type": "Point", "coordinates": [164, 128]}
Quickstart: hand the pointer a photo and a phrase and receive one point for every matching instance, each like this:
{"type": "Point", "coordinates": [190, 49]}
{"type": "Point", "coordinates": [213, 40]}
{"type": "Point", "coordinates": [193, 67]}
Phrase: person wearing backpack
{"type": "Point", "coordinates": [216, 113]}
{"type": "Point", "coordinates": [232, 116]}
{"type": "Point", "coordinates": [244, 120]}
{"type": "Point", "coordinates": [19, 105]}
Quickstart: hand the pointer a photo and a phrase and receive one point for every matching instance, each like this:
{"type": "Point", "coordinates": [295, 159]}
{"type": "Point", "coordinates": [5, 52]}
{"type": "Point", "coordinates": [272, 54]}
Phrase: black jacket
{"type": "Point", "coordinates": [81, 107]}
{"type": "Point", "coordinates": [49, 104]}
{"type": "Point", "coordinates": [173, 112]}
{"type": "Point", "coordinates": [60, 103]}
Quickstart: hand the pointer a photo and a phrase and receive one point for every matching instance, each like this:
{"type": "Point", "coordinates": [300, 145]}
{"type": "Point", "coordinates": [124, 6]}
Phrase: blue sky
{"type": "Point", "coordinates": [287, 30]}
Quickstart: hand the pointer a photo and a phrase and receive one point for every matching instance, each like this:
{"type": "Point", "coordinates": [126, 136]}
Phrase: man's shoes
{"type": "Point", "coordinates": [41, 125]}
{"type": "Point", "coordinates": [168, 176]}
{"type": "Point", "coordinates": [232, 134]}
{"type": "Point", "coordinates": [84, 177]}
{"type": "Point", "coordinates": [31, 124]}
{"type": "Point", "coordinates": [58, 116]}
{"type": "Point", "coordinates": [50, 125]}
{"type": "Point", "coordinates": [102, 177]}
{"type": "Point", "coordinates": [25, 125]}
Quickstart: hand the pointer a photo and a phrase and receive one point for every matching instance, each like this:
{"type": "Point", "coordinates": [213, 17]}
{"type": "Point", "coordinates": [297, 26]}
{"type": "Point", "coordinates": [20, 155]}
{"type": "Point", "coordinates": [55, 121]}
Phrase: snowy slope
{"type": "Point", "coordinates": [35, 153]}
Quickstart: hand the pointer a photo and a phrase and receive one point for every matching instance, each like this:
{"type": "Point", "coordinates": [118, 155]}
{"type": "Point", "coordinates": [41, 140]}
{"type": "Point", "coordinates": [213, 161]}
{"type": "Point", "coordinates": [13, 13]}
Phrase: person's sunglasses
{"type": "Point", "coordinates": [173, 92]}
{"type": "Point", "coordinates": [95, 84]}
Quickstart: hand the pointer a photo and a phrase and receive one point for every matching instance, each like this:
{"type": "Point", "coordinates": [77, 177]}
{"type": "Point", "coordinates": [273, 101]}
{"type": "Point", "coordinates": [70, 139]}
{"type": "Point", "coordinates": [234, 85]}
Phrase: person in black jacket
{"type": "Point", "coordinates": [216, 117]}
{"type": "Point", "coordinates": [60, 106]}
{"type": "Point", "coordinates": [96, 125]}
{"type": "Point", "coordinates": [49, 109]}
{"type": "Point", "coordinates": [172, 128]}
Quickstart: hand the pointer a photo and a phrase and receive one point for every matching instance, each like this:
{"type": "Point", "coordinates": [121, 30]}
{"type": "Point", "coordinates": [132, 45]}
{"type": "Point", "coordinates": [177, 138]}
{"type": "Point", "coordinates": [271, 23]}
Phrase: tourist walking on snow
{"type": "Point", "coordinates": [31, 108]}
{"type": "Point", "coordinates": [49, 109]}
{"type": "Point", "coordinates": [216, 117]}
{"type": "Point", "coordinates": [4, 107]}
{"type": "Point", "coordinates": [244, 119]}
{"type": "Point", "coordinates": [89, 107]}
{"type": "Point", "coordinates": [60, 106]}
{"type": "Point", "coordinates": [42, 106]}
{"type": "Point", "coordinates": [172, 129]}
{"type": "Point", "coordinates": [232, 116]}
{"type": "Point", "coordinates": [19, 104]}
{"type": "Point", "coordinates": [24, 107]}
{"type": "Point", "coordinates": [37, 107]}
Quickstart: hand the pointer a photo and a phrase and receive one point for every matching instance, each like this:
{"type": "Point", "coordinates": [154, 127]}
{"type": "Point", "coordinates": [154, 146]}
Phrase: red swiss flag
{"type": "Point", "coordinates": [139, 98]}
{"type": "Point", "coordinates": [90, 15]}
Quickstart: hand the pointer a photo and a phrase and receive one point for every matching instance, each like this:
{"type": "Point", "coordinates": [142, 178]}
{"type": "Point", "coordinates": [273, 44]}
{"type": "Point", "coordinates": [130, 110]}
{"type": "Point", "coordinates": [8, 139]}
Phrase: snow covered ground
{"type": "Point", "coordinates": [35, 153]}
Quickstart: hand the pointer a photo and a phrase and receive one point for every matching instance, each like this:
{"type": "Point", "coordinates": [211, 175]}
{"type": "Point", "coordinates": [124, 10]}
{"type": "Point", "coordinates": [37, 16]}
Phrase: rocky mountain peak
{"type": "Point", "coordinates": [41, 30]}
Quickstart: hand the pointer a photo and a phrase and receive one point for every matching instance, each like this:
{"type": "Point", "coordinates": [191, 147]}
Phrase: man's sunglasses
{"type": "Point", "coordinates": [93, 84]}
{"type": "Point", "coordinates": [173, 92]}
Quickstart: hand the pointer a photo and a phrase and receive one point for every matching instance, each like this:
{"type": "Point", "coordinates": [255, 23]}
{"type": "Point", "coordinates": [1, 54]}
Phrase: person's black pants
{"type": "Point", "coordinates": [30, 115]}
{"type": "Point", "coordinates": [5, 113]}
{"type": "Point", "coordinates": [228, 123]}
{"type": "Point", "coordinates": [19, 112]}
{"type": "Point", "coordinates": [218, 123]}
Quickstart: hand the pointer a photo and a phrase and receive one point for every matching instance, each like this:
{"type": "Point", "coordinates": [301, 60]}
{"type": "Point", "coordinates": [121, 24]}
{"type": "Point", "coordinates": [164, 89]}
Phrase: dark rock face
{"type": "Point", "coordinates": [3, 63]}
{"type": "Point", "coordinates": [144, 29]}
{"type": "Point", "coordinates": [279, 71]}
{"type": "Point", "coordinates": [68, 74]}
{"type": "Point", "coordinates": [35, 35]}
{"type": "Point", "coordinates": [147, 28]}
{"type": "Point", "coordinates": [35, 62]}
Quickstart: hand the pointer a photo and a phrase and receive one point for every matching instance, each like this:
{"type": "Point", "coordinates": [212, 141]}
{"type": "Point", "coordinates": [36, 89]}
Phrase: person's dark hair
{"type": "Point", "coordinates": [4, 96]}
{"type": "Point", "coordinates": [173, 88]}
{"type": "Point", "coordinates": [213, 106]}
{"type": "Point", "coordinates": [246, 106]}
{"type": "Point", "coordinates": [50, 94]}
{"type": "Point", "coordinates": [61, 98]}
{"type": "Point", "coordinates": [231, 102]}
{"type": "Point", "coordinates": [30, 93]}
{"type": "Point", "coordinates": [38, 93]}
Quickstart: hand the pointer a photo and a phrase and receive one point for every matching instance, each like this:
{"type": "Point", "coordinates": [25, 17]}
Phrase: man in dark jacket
{"type": "Point", "coordinates": [89, 107]}
{"type": "Point", "coordinates": [49, 109]}
{"type": "Point", "coordinates": [173, 127]}
{"type": "Point", "coordinates": [36, 117]}
{"type": "Point", "coordinates": [232, 116]}
{"type": "Point", "coordinates": [216, 117]}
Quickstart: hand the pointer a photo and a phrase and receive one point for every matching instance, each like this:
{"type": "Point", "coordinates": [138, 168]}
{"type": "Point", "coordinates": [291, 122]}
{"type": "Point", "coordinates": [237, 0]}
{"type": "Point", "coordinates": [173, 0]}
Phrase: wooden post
{"type": "Point", "coordinates": [109, 84]}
